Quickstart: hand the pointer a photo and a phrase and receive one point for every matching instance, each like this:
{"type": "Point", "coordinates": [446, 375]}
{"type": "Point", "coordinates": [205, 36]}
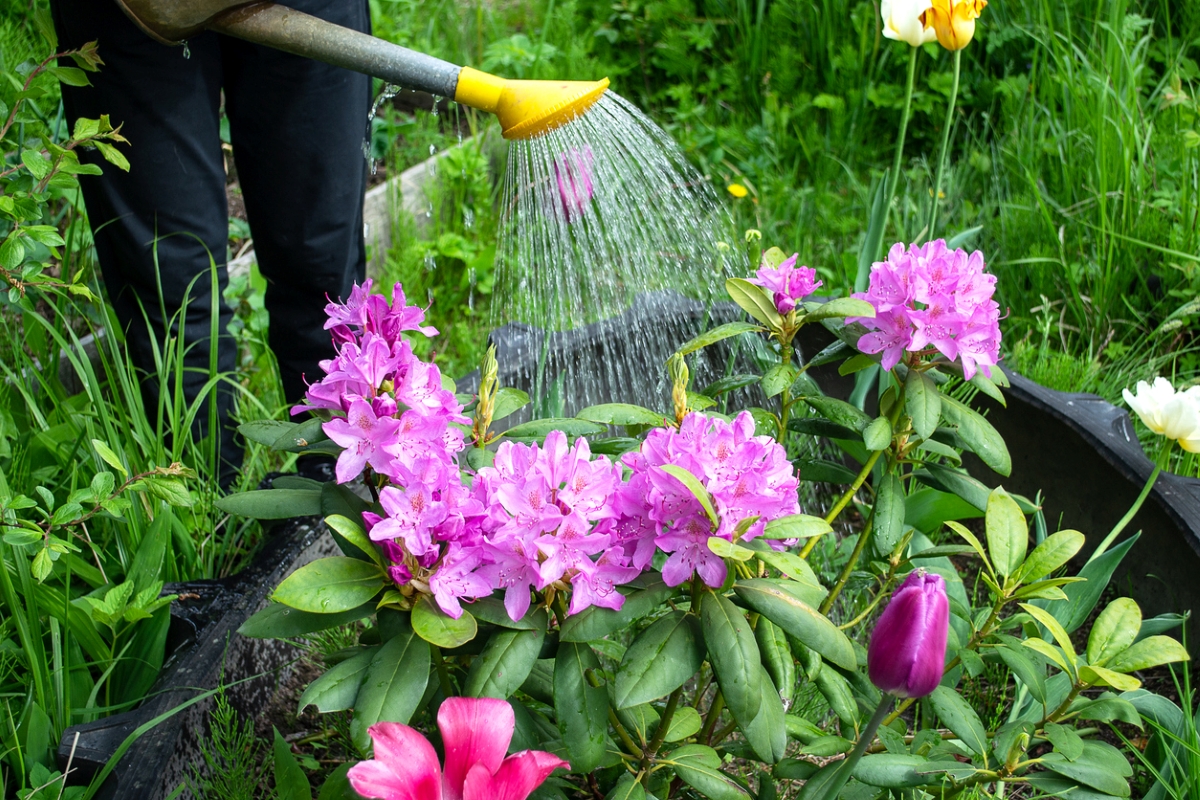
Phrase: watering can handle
{"type": "Point", "coordinates": [283, 28]}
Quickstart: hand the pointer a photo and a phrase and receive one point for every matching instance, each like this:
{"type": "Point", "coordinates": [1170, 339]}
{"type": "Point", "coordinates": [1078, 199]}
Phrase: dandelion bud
{"type": "Point", "coordinates": [908, 646]}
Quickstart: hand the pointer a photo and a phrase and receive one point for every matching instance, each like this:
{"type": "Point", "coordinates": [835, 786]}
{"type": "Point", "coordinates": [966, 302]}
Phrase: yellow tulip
{"type": "Point", "coordinates": [953, 21]}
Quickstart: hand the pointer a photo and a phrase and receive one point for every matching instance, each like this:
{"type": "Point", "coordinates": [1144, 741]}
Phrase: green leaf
{"type": "Point", "coordinates": [337, 786]}
{"type": "Point", "coordinates": [507, 402]}
{"type": "Point", "coordinates": [821, 470]}
{"type": "Point", "coordinates": [660, 660]}
{"type": "Point", "coordinates": [627, 788]}
{"type": "Point", "coordinates": [621, 414]}
{"type": "Point", "coordinates": [1115, 629]}
{"type": "Point", "coordinates": [538, 428]}
{"type": "Point", "coordinates": [693, 485]}
{"type": "Point", "coordinates": [1007, 532]}
{"type": "Point", "coordinates": [267, 431]}
{"type": "Point", "coordinates": [1094, 768]}
{"type": "Point", "coordinates": [984, 440]}
{"type": "Point", "coordinates": [504, 664]}
{"type": "Point", "coordinates": [839, 412]}
{"type": "Point", "coordinates": [754, 301]}
{"type": "Point", "coordinates": [278, 621]}
{"type": "Point", "coordinates": [272, 503]}
{"type": "Point", "coordinates": [580, 708]}
{"type": "Point", "coordinates": [733, 654]}
{"type": "Point", "coordinates": [923, 402]}
{"type": "Point", "coordinates": [290, 781]}
{"type": "Point", "coordinates": [857, 364]}
{"type": "Point", "coordinates": [439, 628]}
{"type": "Point", "coordinates": [595, 622]}
{"type": "Point", "coordinates": [109, 457]}
{"type": "Point", "coordinates": [818, 426]}
{"type": "Point", "coordinates": [717, 334]}
{"type": "Point", "coordinates": [1099, 676]}
{"type": "Point", "coordinates": [71, 76]}
{"type": "Point", "coordinates": [1057, 549]}
{"type": "Point", "coordinates": [173, 490]}
{"type": "Point", "coordinates": [960, 718]}
{"type": "Point", "coordinates": [492, 611]}
{"type": "Point", "coordinates": [839, 307]}
{"type": "Point", "coordinates": [1150, 652]}
{"type": "Point", "coordinates": [1055, 627]}
{"type": "Point", "coordinates": [795, 526]}
{"type": "Point", "coordinates": [36, 164]}
{"type": "Point", "coordinates": [837, 692]}
{"type": "Point", "coordinates": [11, 254]}
{"type": "Point", "coordinates": [330, 585]}
{"type": "Point", "coordinates": [1083, 596]}
{"type": "Point", "coordinates": [353, 533]}
{"type": "Point", "coordinates": [778, 378]}
{"type": "Point", "coordinates": [727, 549]}
{"type": "Point", "coordinates": [337, 688]}
{"type": "Point", "coordinates": [798, 619]}
{"type": "Point", "coordinates": [112, 155]}
{"type": "Point", "coordinates": [878, 434]}
{"type": "Point", "coordinates": [699, 766]}
{"type": "Point", "coordinates": [766, 732]}
{"type": "Point", "coordinates": [889, 514]}
{"type": "Point", "coordinates": [685, 723]}
{"type": "Point", "coordinates": [1109, 707]}
{"type": "Point", "coordinates": [1022, 667]}
{"type": "Point", "coordinates": [393, 685]}
{"type": "Point", "coordinates": [891, 771]}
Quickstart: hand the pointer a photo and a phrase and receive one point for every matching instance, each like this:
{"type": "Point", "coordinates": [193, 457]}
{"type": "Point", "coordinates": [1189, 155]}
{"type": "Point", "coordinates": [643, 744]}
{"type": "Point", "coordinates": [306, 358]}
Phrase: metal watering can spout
{"type": "Point", "coordinates": [525, 108]}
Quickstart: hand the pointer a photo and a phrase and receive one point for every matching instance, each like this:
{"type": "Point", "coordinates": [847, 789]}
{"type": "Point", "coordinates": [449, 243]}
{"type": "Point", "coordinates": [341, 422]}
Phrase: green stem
{"type": "Point", "coordinates": [941, 170]}
{"type": "Point", "coordinates": [842, 776]}
{"type": "Point", "coordinates": [443, 673]}
{"type": "Point", "coordinates": [859, 546]}
{"type": "Point", "coordinates": [1137, 506]}
{"type": "Point", "coordinates": [626, 739]}
{"type": "Point", "coordinates": [710, 722]}
{"type": "Point", "coordinates": [845, 499]}
{"type": "Point", "coordinates": [663, 725]}
{"type": "Point", "coordinates": [897, 162]}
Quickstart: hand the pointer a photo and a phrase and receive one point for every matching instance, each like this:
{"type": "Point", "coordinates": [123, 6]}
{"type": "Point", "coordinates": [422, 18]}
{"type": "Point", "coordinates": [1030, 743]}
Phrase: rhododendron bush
{"type": "Point", "coordinates": [653, 603]}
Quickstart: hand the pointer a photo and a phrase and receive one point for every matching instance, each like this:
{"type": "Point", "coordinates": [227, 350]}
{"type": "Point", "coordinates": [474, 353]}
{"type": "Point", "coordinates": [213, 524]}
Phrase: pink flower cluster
{"type": "Point", "coordinates": [788, 283]}
{"type": "Point", "coordinates": [541, 517]}
{"type": "Point", "coordinates": [931, 296]}
{"type": "Point", "coordinates": [747, 476]}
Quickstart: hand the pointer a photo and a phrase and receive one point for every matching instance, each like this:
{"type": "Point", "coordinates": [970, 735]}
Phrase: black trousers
{"type": "Point", "coordinates": [297, 127]}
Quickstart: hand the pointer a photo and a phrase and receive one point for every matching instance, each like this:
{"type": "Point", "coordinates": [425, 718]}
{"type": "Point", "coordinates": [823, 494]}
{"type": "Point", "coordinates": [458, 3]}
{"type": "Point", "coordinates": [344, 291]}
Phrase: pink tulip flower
{"type": "Point", "coordinates": [907, 653]}
{"type": "Point", "coordinates": [476, 733]}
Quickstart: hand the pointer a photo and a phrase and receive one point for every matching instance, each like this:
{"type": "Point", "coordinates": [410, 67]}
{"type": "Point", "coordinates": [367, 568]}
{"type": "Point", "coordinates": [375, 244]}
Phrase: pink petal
{"type": "Point", "coordinates": [405, 766]}
{"type": "Point", "coordinates": [474, 731]}
{"type": "Point", "coordinates": [517, 777]}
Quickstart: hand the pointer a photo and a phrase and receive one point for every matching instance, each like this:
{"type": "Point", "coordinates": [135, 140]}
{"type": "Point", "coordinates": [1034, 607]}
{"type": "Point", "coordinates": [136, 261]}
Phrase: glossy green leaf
{"type": "Point", "coordinates": [393, 685]}
{"type": "Point", "coordinates": [278, 621]}
{"type": "Point", "coordinates": [778, 378]}
{"type": "Point", "coordinates": [1055, 627]}
{"type": "Point", "coordinates": [693, 485]}
{"type": "Point", "coordinates": [837, 692]}
{"type": "Point", "coordinates": [922, 402]}
{"type": "Point", "coordinates": [798, 620]}
{"type": "Point", "coordinates": [538, 428]}
{"type": "Point", "coordinates": [580, 708]}
{"type": "Point", "coordinates": [766, 732]}
{"type": "Point", "coordinates": [1057, 549]}
{"type": "Point", "coordinates": [984, 440]}
{"type": "Point", "coordinates": [754, 301]}
{"type": "Point", "coordinates": [838, 307]}
{"type": "Point", "coordinates": [819, 426]}
{"type": "Point", "coordinates": [272, 503]}
{"type": "Point", "coordinates": [353, 533]}
{"type": "Point", "coordinates": [839, 412]}
{"type": "Point", "coordinates": [337, 688]}
{"type": "Point", "coordinates": [957, 714]}
{"type": "Point", "coordinates": [1025, 670]}
{"type": "Point", "coordinates": [1099, 676]}
{"type": "Point", "coordinates": [715, 335]}
{"type": "Point", "coordinates": [290, 781]}
{"type": "Point", "coordinates": [796, 526]}
{"type": "Point", "coordinates": [595, 622]}
{"type": "Point", "coordinates": [888, 528]}
{"type": "Point", "coordinates": [776, 657]}
{"type": "Point", "coordinates": [1093, 768]}
{"type": "Point", "coordinates": [628, 788]}
{"type": "Point", "coordinates": [330, 585]}
{"type": "Point", "coordinates": [1114, 630]}
{"type": "Point", "coordinates": [699, 766]}
{"type": "Point", "coordinates": [822, 470]}
{"type": "Point", "coordinates": [439, 628]}
{"type": "Point", "coordinates": [504, 664]}
{"type": "Point", "coordinates": [1150, 652]}
{"type": "Point", "coordinates": [733, 654]}
{"type": "Point", "coordinates": [685, 723]}
{"type": "Point", "coordinates": [878, 434]}
{"type": "Point", "coordinates": [660, 660]}
{"type": "Point", "coordinates": [508, 401]}
{"type": "Point", "coordinates": [891, 771]}
{"type": "Point", "coordinates": [621, 414]}
{"type": "Point", "coordinates": [1007, 533]}
{"type": "Point", "coordinates": [727, 549]}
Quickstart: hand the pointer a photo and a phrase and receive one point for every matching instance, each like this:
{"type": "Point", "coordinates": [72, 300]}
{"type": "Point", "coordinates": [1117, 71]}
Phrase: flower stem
{"type": "Point", "coordinates": [859, 546]}
{"type": "Point", "coordinates": [832, 789]}
{"type": "Point", "coordinates": [663, 725]}
{"type": "Point", "coordinates": [941, 170]}
{"type": "Point", "coordinates": [443, 673]}
{"type": "Point", "coordinates": [1137, 505]}
{"type": "Point", "coordinates": [899, 159]}
{"type": "Point", "coordinates": [710, 722]}
{"type": "Point", "coordinates": [844, 499]}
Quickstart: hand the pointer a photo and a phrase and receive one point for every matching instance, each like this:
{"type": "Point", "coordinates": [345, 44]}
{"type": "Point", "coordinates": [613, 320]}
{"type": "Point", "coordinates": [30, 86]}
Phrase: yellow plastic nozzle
{"type": "Point", "coordinates": [527, 108]}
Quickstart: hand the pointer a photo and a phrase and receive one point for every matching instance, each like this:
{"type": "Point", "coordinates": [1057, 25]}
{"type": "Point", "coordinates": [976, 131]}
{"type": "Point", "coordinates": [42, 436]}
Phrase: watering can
{"type": "Point", "coordinates": [525, 108]}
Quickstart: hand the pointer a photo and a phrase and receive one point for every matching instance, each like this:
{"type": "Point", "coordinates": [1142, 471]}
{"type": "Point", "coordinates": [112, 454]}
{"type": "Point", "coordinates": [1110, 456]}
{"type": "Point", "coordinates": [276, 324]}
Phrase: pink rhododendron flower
{"type": "Point", "coordinates": [788, 283]}
{"type": "Point", "coordinates": [476, 733]}
{"type": "Point", "coordinates": [930, 297]}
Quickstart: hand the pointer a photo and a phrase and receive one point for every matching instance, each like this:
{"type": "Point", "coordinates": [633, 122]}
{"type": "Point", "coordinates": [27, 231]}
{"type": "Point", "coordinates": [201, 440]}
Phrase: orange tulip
{"type": "Point", "coordinates": [953, 21]}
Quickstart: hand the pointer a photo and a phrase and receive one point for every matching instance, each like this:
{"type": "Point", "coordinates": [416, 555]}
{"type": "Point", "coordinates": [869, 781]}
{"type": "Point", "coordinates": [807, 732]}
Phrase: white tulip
{"type": "Point", "coordinates": [1175, 415]}
{"type": "Point", "coordinates": [902, 21]}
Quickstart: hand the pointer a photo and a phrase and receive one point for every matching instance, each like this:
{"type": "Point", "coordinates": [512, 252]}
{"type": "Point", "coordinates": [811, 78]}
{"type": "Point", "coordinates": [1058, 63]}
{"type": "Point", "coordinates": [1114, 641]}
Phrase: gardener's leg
{"type": "Point", "coordinates": [169, 210]}
{"type": "Point", "coordinates": [297, 127]}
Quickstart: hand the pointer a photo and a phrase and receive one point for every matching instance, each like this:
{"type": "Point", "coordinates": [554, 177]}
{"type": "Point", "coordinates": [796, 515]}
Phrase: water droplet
{"type": "Point", "coordinates": [468, 219]}
{"type": "Point", "coordinates": [430, 261]}
{"type": "Point", "coordinates": [187, 51]}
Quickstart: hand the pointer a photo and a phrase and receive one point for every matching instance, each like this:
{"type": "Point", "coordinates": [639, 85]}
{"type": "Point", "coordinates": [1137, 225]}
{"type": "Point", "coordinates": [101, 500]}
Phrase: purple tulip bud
{"type": "Point", "coordinates": [908, 646]}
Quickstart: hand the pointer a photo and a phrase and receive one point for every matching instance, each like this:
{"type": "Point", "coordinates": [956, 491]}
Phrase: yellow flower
{"type": "Point", "coordinates": [737, 190]}
{"type": "Point", "coordinates": [953, 21]}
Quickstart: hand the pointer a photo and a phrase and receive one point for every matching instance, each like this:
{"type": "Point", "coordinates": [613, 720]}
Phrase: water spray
{"type": "Point", "coordinates": [525, 109]}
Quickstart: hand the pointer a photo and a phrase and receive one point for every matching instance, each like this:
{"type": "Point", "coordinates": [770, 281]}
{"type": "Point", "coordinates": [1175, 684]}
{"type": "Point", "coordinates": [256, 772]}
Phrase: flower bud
{"type": "Point", "coordinates": [953, 21]}
{"type": "Point", "coordinates": [1175, 415]}
{"type": "Point", "coordinates": [908, 646]}
{"type": "Point", "coordinates": [903, 21]}
{"type": "Point", "coordinates": [677, 368]}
